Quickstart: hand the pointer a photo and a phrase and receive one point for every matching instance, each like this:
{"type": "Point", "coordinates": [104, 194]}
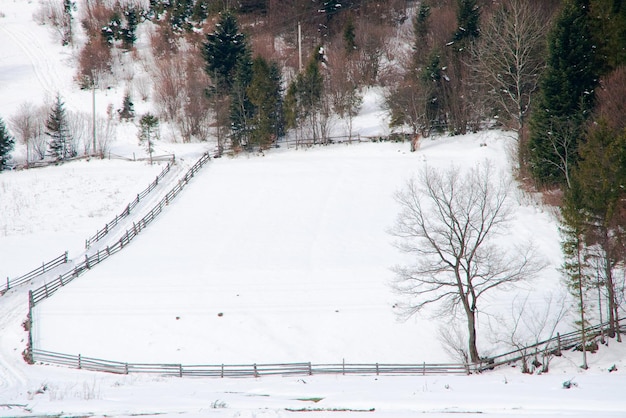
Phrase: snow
{"type": "Point", "coordinates": [289, 247]}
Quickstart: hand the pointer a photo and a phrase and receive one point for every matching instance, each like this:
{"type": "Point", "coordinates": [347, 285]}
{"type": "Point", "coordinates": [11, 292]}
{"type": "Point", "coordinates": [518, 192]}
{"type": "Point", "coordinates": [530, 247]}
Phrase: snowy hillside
{"type": "Point", "coordinates": [281, 257]}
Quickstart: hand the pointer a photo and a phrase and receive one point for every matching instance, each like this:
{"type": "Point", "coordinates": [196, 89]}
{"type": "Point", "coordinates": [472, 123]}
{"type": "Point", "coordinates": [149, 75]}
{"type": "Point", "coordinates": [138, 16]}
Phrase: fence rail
{"type": "Point", "coordinates": [45, 267]}
{"type": "Point", "coordinates": [49, 288]}
{"type": "Point", "coordinates": [140, 196]}
{"type": "Point", "coordinates": [551, 346]}
{"type": "Point", "coordinates": [244, 370]}
{"type": "Point", "coordinates": [566, 341]}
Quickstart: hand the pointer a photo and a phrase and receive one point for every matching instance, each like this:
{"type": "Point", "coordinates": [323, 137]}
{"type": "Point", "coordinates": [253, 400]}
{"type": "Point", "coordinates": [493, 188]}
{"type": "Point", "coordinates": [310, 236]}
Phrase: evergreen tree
{"type": "Point", "coordinates": [222, 51]}
{"type": "Point", "coordinates": [599, 182]}
{"type": "Point", "coordinates": [265, 94]}
{"type": "Point", "coordinates": [566, 96]}
{"type": "Point", "coordinates": [128, 34]}
{"type": "Point", "coordinates": [349, 37]}
{"type": "Point", "coordinates": [57, 128]}
{"type": "Point", "coordinates": [468, 17]}
{"type": "Point", "coordinates": [241, 108]}
{"type": "Point", "coordinates": [127, 111]}
{"type": "Point", "coordinates": [304, 97]}
{"type": "Point", "coordinates": [148, 132]}
{"type": "Point", "coordinates": [7, 142]}
{"type": "Point", "coordinates": [575, 266]}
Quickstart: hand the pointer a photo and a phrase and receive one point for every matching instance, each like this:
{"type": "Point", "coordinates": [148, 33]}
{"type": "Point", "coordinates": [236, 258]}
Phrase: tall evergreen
{"type": "Point", "coordinates": [599, 181]}
{"type": "Point", "coordinates": [566, 96]}
{"type": "Point", "coordinates": [7, 142]}
{"type": "Point", "coordinates": [61, 146]}
{"type": "Point", "coordinates": [265, 94]}
{"type": "Point", "coordinates": [241, 108]}
{"type": "Point", "coordinates": [468, 17]}
{"type": "Point", "coordinates": [576, 266]}
{"type": "Point", "coordinates": [222, 50]}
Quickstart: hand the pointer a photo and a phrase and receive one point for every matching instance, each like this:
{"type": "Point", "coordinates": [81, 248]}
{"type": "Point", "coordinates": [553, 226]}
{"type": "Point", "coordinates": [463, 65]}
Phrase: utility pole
{"type": "Point", "coordinates": [299, 47]}
{"type": "Point", "coordinates": [93, 114]}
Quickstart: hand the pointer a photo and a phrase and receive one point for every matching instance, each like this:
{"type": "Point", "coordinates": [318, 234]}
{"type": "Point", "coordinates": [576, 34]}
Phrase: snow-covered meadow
{"type": "Point", "coordinates": [291, 248]}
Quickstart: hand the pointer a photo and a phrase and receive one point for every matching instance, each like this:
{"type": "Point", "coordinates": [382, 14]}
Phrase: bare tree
{"type": "Point", "coordinates": [448, 221]}
{"type": "Point", "coordinates": [24, 125]}
{"type": "Point", "coordinates": [509, 57]}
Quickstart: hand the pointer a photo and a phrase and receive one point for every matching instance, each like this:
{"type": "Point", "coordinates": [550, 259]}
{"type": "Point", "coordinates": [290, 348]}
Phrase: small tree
{"type": "Point", "coordinates": [57, 128]}
{"type": "Point", "coordinates": [7, 142]}
{"type": "Point", "coordinates": [448, 221]}
{"type": "Point", "coordinates": [148, 132]}
{"type": "Point", "coordinates": [127, 112]}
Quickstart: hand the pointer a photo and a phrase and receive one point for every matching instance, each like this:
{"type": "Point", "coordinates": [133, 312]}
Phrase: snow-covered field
{"type": "Point", "coordinates": [290, 248]}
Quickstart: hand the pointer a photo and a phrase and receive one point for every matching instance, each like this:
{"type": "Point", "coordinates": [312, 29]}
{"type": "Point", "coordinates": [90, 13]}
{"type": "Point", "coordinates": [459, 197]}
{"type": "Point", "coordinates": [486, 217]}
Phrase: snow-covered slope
{"type": "Point", "coordinates": [290, 247]}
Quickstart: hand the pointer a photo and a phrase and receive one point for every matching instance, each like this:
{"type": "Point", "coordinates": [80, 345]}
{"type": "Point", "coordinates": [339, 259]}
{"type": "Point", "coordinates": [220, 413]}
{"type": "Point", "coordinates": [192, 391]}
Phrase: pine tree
{"type": "Point", "coordinates": [222, 51]}
{"type": "Point", "coordinates": [566, 96]}
{"type": "Point", "coordinates": [349, 37]}
{"type": "Point", "coordinates": [148, 132]}
{"type": "Point", "coordinates": [7, 142]}
{"type": "Point", "coordinates": [57, 128]}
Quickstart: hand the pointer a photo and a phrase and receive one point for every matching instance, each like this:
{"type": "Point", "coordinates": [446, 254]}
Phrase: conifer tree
{"type": "Point", "coordinates": [575, 266]}
{"type": "Point", "coordinates": [468, 16]}
{"type": "Point", "coordinates": [7, 142]}
{"type": "Point", "coordinates": [241, 108]}
{"type": "Point", "coordinates": [61, 146]}
{"type": "Point", "coordinates": [600, 186]}
{"type": "Point", "coordinates": [222, 50]}
{"type": "Point", "coordinates": [265, 94]}
{"type": "Point", "coordinates": [148, 132]}
{"type": "Point", "coordinates": [566, 96]}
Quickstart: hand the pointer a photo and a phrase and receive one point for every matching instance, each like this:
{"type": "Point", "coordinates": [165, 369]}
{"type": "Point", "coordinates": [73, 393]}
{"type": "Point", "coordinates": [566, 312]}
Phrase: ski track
{"type": "Point", "coordinates": [40, 57]}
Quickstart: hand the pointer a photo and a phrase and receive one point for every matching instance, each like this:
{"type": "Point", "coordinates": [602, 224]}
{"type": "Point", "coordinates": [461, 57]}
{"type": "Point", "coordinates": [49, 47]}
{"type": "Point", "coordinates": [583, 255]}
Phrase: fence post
{"type": "Point", "coordinates": [31, 305]}
{"type": "Point", "coordinates": [222, 376]}
{"type": "Point", "coordinates": [87, 261]}
{"type": "Point", "coordinates": [180, 370]}
{"type": "Point", "coordinates": [8, 284]}
{"type": "Point", "coordinates": [343, 367]}
{"type": "Point", "coordinates": [558, 342]}
{"type": "Point", "coordinates": [377, 369]}
{"type": "Point", "coordinates": [256, 373]}
{"type": "Point", "coordinates": [424, 368]}
{"type": "Point", "coordinates": [43, 267]}
{"type": "Point", "coordinates": [310, 369]}
{"type": "Point", "coordinates": [126, 368]}
{"type": "Point", "coordinates": [80, 364]}
{"type": "Point", "coordinates": [45, 287]}
{"type": "Point", "coordinates": [65, 257]}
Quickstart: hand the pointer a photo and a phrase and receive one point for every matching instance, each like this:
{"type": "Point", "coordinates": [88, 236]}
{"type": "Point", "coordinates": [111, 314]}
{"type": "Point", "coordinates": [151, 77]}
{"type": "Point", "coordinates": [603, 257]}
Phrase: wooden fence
{"type": "Point", "coordinates": [49, 288]}
{"type": "Point", "coordinates": [561, 342]}
{"type": "Point", "coordinates": [45, 267]}
{"type": "Point", "coordinates": [550, 347]}
{"type": "Point", "coordinates": [245, 370]}
{"type": "Point", "coordinates": [104, 231]}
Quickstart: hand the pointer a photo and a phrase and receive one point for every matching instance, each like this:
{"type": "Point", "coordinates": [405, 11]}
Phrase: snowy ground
{"type": "Point", "coordinates": [290, 247]}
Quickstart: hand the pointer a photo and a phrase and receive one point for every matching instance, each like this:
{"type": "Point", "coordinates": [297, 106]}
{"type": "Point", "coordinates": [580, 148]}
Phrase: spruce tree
{"type": "Point", "coordinates": [241, 108]}
{"type": "Point", "coordinates": [468, 17]}
{"type": "Point", "coordinates": [222, 51]}
{"type": "Point", "coordinates": [576, 266]}
{"type": "Point", "coordinates": [600, 184]}
{"type": "Point", "coordinates": [7, 142]}
{"type": "Point", "coordinates": [265, 94]}
{"type": "Point", "coordinates": [566, 96]}
{"type": "Point", "coordinates": [60, 147]}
